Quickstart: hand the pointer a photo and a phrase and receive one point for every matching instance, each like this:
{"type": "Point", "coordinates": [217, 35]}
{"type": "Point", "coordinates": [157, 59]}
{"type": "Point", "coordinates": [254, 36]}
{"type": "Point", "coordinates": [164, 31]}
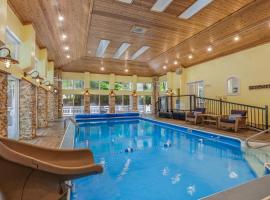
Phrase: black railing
{"type": "Point", "coordinates": [257, 117]}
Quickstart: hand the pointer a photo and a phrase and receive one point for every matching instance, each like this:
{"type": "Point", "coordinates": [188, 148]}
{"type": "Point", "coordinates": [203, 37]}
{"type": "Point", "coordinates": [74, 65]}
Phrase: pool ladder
{"type": "Point", "coordinates": [253, 136]}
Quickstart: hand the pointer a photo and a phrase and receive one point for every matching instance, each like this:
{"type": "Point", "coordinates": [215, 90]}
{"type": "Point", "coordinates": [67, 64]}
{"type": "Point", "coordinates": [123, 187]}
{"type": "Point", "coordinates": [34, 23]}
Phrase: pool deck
{"type": "Point", "coordinates": [52, 136]}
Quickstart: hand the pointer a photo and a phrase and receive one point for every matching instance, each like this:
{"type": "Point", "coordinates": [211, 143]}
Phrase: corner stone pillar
{"type": "Point", "coordinates": [51, 106]}
{"type": "Point", "coordinates": [3, 104]}
{"type": "Point", "coordinates": [134, 103]}
{"type": "Point", "coordinates": [86, 104]}
{"type": "Point", "coordinates": [112, 103]}
{"type": "Point", "coordinates": [42, 107]}
{"type": "Point", "coordinates": [27, 110]}
{"type": "Point", "coordinates": [155, 94]}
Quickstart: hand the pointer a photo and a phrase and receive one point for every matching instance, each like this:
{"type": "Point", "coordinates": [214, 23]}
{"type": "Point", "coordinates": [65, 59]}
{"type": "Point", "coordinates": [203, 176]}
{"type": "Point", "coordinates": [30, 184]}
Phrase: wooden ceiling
{"type": "Point", "coordinates": [169, 38]}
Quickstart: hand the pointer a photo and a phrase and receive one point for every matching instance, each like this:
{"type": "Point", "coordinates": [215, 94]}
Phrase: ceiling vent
{"type": "Point", "coordinates": [138, 30]}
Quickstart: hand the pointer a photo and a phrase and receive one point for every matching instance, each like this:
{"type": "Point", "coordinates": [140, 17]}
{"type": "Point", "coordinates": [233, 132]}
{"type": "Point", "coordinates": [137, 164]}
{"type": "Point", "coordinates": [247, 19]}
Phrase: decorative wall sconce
{"type": "Point", "coordinates": [7, 59]}
{"type": "Point", "coordinates": [55, 90]}
{"type": "Point", "coordinates": [86, 92]}
{"type": "Point", "coordinates": [169, 92]}
{"type": "Point", "coordinates": [48, 84]}
{"type": "Point", "coordinates": [34, 75]}
{"type": "Point", "coordinates": [111, 94]}
{"type": "Point", "coordinates": [134, 93]}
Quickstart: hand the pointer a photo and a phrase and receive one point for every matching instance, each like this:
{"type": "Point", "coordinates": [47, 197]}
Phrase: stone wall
{"type": "Point", "coordinates": [42, 107]}
{"type": "Point", "coordinates": [27, 110]}
{"type": "Point", "coordinates": [86, 103]}
{"type": "Point", "coordinates": [112, 104]}
{"type": "Point", "coordinates": [3, 104]}
{"type": "Point", "coordinates": [135, 103]}
{"type": "Point", "coordinates": [51, 106]}
{"type": "Point", "coordinates": [155, 93]}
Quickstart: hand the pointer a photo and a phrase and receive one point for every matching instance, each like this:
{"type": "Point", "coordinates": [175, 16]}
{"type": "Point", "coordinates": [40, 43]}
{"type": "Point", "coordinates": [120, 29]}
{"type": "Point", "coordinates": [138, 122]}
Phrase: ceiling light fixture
{"type": "Point", "coordinates": [124, 46]}
{"type": "Point", "coordinates": [66, 48]}
{"type": "Point", "coordinates": [194, 8]}
{"type": "Point", "coordinates": [161, 5]}
{"type": "Point", "coordinates": [139, 52]}
{"type": "Point", "coordinates": [209, 49]}
{"type": "Point", "coordinates": [236, 38]}
{"type": "Point", "coordinates": [102, 68]}
{"type": "Point", "coordinates": [190, 56]}
{"type": "Point", "coordinates": [64, 36]}
{"type": "Point", "coordinates": [68, 56]}
{"type": "Point", "coordinates": [61, 18]}
{"type": "Point", "coordinates": [164, 67]}
{"type": "Point", "coordinates": [126, 70]}
{"type": "Point", "coordinates": [103, 44]}
{"type": "Point", "coordinates": [175, 62]}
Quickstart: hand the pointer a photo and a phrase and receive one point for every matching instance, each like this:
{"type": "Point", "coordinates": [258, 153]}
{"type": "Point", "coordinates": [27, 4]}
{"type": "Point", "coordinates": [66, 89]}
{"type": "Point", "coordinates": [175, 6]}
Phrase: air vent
{"type": "Point", "coordinates": [138, 30]}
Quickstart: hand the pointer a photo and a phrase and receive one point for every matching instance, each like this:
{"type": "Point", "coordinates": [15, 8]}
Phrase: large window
{"type": "Point", "coordinates": [72, 84]}
{"type": "Point", "coordinates": [122, 103]}
{"type": "Point", "coordinates": [122, 86]}
{"type": "Point", "coordinates": [144, 104]}
{"type": "Point", "coordinates": [13, 43]}
{"type": "Point", "coordinates": [163, 86]}
{"type": "Point", "coordinates": [144, 87]}
{"type": "Point", "coordinates": [72, 104]}
{"type": "Point", "coordinates": [99, 103]}
{"type": "Point", "coordinates": [99, 85]}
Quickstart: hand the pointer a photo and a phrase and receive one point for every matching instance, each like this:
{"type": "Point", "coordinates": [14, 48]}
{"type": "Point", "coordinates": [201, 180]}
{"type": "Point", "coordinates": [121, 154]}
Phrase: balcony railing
{"type": "Point", "coordinates": [72, 110]}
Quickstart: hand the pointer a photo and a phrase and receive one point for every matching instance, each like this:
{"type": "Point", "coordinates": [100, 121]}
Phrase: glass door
{"type": "Point", "coordinates": [13, 108]}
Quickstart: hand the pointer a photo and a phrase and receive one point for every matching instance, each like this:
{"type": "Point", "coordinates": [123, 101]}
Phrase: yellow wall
{"type": "Point", "coordinates": [28, 48]}
{"type": "Point", "coordinates": [251, 66]}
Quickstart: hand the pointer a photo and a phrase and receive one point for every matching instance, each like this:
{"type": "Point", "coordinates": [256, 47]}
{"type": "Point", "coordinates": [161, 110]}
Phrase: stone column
{"type": "Point", "coordinates": [42, 107]}
{"type": "Point", "coordinates": [135, 103]}
{"type": "Point", "coordinates": [155, 93]}
{"type": "Point", "coordinates": [51, 106]}
{"type": "Point", "coordinates": [27, 110]}
{"type": "Point", "coordinates": [86, 103]}
{"type": "Point", "coordinates": [3, 104]}
{"type": "Point", "coordinates": [58, 95]}
{"type": "Point", "coordinates": [112, 103]}
{"type": "Point", "coordinates": [55, 105]}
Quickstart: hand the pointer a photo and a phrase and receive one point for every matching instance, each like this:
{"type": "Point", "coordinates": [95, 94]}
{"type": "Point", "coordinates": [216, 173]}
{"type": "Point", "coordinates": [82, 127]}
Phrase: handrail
{"type": "Point", "coordinates": [253, 136]}
{"type": "Point", "coordinates": [73, 121]}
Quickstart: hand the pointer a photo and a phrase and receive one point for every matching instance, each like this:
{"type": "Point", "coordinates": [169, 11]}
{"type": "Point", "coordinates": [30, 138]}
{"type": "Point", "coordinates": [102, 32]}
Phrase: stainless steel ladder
{"type": "Point", "coordinates": [253, 136]}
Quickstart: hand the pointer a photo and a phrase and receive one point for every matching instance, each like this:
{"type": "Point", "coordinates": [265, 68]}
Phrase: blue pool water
{"type": "Point", "coordinates": [166, 162]}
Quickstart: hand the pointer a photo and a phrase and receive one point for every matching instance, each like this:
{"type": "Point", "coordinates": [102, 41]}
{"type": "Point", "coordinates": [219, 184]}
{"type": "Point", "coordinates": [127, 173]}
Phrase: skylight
{"type": "Point", "coordinates": [194, 8]}
{"type": "Point", "coordinates": [161, 5]}
{"type": "Point", "coordinates": [124, 46]}
{"type": "Point", "coordinates": [103, 44]}
{"type": "Point", "coordinates": [139, 52]}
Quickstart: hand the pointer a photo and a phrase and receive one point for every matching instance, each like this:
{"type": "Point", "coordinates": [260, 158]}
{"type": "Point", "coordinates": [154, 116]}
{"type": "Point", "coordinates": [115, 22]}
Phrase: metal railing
{"type": "Point", "coordinates": [72, 110]}
{"type": "Point", "coordinates": [254, 136]}
{"type": "Point", "coordinates": [257, 117]}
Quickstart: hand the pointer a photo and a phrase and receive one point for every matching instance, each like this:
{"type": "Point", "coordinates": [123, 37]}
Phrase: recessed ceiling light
{"type": "Point", "coordinates": [139, 52]}
{"type": "Point", "coordinates": [126, 1]}
{"type": "Point", "coordinates": [161, 5]}
{"type": "Point", "coordinates": [103, 44]}
{"type": "Point", "coordinates": [194, 8]}
{"type": "Point", "coordinates": [66, 48]}
{"type": "Point", "coordinates": [61, 18]}
{"type": "Point", "coordinates": [164, 67]}
{"type": "Point", "coordinates": [68, 56]}
{"type": "Point", "coordinates": [236, 38]}
{"type": "Point", "coordinates": [102, 68]}
{"type": "Point", "coordinates": [124, 46]}
{"type": "Point", "coordinates": [190, 56]}
{"type": "Point", "coordinates": [126, 70]}
{"type": "Point", "coordinates": [175, 62]}
{"type": "Point", "coordinates": [64, 36]}
{"type": "Point", "coordinates": [209, 49]}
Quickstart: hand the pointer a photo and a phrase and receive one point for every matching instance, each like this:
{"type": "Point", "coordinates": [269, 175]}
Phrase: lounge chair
{"type": "Point", "coordinates": [236, 120]}
{"type": "Point", "coordinates": [194, 115]}
{"type": "Point", "coordinates": [30, 172]}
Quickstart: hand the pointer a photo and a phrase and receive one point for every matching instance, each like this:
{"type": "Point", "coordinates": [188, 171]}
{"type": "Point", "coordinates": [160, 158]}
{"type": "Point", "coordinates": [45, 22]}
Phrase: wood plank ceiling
{"type": "Point", "coordinates": [170, 38]}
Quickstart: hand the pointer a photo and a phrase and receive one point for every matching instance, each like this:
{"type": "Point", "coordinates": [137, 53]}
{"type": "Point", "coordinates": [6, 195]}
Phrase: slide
{"type": "Point", "coordinates": [32, 172]}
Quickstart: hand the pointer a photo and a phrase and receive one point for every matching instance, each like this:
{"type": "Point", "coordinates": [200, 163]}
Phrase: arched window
{"type": "Point", "coordinates": [233, 86]}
